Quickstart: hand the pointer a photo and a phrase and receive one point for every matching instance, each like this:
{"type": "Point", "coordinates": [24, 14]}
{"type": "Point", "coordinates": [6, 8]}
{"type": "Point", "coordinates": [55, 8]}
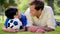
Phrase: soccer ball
{"type": "Point", "coordinates": [14, 23]}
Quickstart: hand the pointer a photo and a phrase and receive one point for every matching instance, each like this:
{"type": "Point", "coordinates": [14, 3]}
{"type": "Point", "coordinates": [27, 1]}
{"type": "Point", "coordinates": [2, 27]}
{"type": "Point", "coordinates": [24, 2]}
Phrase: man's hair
{"type": "Point", "coordinates": [10, 12]}
{"type": "Point", "coordinates": [38, 4]}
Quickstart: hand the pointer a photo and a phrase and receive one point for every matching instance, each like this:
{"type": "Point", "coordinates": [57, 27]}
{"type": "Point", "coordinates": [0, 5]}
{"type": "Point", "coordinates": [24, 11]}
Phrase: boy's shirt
{"type": "Point", "coordinates": [22, 19]}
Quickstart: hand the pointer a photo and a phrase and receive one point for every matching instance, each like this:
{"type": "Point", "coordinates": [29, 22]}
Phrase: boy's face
{"type": "Point", "coordinates": [17, 14]}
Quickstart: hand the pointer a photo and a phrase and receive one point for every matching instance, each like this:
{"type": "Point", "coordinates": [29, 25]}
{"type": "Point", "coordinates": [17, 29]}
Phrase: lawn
{"type": "Point", "coordinates": [57, 31]}
{"type": "Point", "coordinates": [57, 17]}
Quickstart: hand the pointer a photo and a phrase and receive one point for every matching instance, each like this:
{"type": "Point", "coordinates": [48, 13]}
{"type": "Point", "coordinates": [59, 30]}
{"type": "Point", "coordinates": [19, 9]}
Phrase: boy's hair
{"type": "Point", "coordinates": [38, 4]}
{"type": "Point", "coordinates": [10, 12]}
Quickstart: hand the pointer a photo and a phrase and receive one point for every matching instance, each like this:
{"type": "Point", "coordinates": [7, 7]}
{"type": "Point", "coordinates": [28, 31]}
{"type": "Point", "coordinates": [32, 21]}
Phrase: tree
{"type": "Point", "coordinates": [50, 3]}
{"type": "Point", "coordinates": [4, 4]}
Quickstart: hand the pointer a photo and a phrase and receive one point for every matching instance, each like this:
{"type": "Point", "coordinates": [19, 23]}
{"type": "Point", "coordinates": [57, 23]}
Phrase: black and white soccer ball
{"type": "Point", "coordinates": [14, 23]}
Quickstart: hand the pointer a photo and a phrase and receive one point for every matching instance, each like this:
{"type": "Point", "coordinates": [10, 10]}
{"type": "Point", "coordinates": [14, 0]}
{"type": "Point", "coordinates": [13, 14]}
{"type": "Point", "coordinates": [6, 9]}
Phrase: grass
{"type": "Point", "coordinates": [57, 31]}
{"type": "Point", "coordinates": [57, 17]}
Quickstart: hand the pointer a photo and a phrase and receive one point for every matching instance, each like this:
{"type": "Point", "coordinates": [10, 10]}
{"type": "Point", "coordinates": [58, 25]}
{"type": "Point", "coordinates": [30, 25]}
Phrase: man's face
{"type": "Point", "coordinates": [33, 11]}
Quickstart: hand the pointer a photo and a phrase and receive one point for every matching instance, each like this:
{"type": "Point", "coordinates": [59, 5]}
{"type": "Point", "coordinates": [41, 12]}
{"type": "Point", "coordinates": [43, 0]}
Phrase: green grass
{"type": "Point", "coordinates": [57, 31]}
{"type": "Point", "coordinates": [57, 17]}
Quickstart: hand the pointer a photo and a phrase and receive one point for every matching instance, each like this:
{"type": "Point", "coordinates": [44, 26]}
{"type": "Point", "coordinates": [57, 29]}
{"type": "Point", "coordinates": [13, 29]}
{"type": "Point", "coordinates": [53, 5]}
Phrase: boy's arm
{"type": "Point", "coordinates": [8, 29]}
{"type": "Point", "coordinates": [4, 28]}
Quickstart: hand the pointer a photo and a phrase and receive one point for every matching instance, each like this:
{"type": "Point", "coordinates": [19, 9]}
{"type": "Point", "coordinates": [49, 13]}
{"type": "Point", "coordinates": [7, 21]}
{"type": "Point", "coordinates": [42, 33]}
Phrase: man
{"type": "Point", "coordinates": [39, 15]}
{"type": "Point", "coordinates": [11, 15]}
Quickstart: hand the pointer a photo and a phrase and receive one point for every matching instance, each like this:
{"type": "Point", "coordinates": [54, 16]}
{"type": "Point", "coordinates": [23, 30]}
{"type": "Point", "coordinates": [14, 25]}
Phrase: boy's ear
{"type": "Point", "coordinates": [14, 16]}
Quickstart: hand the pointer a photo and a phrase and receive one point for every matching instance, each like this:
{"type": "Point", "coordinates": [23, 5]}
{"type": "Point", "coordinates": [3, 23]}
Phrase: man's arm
{"type": "Point", "coordinates": [28, 16]}
{"type": "Point", "coordinates": [50, 19]}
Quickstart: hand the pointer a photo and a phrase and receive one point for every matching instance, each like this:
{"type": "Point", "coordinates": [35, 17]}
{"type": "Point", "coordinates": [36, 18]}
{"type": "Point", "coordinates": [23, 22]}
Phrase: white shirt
{"type": "Point", "coordinates": [46, 18]}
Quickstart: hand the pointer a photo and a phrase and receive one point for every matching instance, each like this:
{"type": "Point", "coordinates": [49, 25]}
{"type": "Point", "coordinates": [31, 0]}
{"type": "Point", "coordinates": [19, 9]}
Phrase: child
{"type": "Point", "coordinates": [13, 14]}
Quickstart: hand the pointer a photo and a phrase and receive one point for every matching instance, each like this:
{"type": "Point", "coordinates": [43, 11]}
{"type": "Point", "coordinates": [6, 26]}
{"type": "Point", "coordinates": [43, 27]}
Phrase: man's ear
{"type": "Point", "coordinates": [39, 10]}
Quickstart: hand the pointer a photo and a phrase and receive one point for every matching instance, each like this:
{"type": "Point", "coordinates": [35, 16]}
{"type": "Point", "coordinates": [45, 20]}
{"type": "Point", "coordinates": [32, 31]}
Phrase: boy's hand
{"type": "Point", "coordinates": [8, 29]}
{"type": "Point", "coordinates": [11, 30]}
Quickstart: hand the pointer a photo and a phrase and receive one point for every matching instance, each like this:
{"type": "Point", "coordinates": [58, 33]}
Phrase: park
{"type": "Point", "coordinates": [22, 5]}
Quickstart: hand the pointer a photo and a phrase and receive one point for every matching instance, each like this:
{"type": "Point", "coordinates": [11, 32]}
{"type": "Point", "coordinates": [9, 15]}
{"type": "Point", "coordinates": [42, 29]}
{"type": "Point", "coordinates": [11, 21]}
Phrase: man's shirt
{"type": "Point", "coordinates": [22, 19]}
{"type": "Point", "coordinates": [46, 18]}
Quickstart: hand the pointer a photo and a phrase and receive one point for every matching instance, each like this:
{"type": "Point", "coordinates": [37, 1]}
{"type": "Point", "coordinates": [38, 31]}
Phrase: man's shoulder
{"type": "Point", "coordinates": [47, 7]}
{"type": "Point", "coordinates": [27, 11]}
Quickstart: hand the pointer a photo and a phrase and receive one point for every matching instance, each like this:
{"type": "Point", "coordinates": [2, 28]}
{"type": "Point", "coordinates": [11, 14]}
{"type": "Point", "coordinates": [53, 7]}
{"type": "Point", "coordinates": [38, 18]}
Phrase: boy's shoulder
{"type": "Point", "coordinates": [23, 16]}
{"type": "Point", "coordinates": [23, 19]}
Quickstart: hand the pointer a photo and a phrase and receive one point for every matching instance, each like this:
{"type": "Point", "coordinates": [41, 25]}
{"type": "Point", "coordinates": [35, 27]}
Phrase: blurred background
{"type": "Point", "coordinates": [22, 5]}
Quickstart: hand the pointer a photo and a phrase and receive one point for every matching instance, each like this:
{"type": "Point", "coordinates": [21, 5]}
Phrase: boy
{"type": "Point", "coordinates": [12, 13]}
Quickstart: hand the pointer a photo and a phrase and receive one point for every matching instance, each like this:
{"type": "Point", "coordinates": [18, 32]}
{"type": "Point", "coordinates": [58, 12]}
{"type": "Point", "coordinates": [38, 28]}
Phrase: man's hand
{"type": "Point", "coordinates": [49, 29]}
